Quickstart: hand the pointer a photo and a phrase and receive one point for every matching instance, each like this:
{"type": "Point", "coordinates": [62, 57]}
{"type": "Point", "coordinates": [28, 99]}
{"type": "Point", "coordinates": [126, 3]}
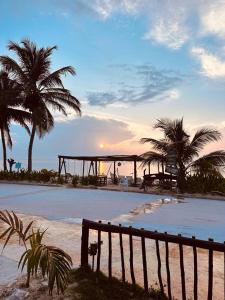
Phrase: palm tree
{"type": "Point", "coordinates": [187, 150]}
{"type": "Point", "coordinates": [42, 89]}
{"type": "Point", "coordinates": [9, 102]}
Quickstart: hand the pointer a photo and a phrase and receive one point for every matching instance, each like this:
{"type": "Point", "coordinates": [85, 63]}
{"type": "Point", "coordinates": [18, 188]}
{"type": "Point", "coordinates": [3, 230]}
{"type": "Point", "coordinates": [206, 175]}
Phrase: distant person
{"type": "Point", "coordinates": [11, 162]}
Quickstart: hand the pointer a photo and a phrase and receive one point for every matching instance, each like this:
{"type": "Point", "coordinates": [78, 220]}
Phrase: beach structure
{"type": "Point", "coordinates": [94, 162]}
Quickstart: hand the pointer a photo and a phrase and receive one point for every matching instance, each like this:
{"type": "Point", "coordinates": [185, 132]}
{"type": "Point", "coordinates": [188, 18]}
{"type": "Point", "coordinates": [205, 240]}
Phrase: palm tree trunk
{"type": "Point", "coordinates": [4, 150]}
{"type": "Point", "coordinates": [181, 177]}
{"type": "Point", "coordinates": [30, 148]}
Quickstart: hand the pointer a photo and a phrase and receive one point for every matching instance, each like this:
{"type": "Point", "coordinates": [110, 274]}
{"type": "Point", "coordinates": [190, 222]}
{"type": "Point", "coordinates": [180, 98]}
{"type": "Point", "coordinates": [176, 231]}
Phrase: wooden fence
{"type": "Point", "coordinates": [181, 241]}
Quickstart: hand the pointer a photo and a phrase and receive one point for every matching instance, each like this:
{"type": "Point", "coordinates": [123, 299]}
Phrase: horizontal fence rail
{"type": "Point", "coordinates": [131, 232]}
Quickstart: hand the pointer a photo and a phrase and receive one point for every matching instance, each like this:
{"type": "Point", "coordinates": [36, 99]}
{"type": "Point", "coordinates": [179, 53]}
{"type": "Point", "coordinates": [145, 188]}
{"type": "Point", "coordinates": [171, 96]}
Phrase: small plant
{"type": "Point", "coordinates": [75, 180]}
{"type": "Point", "coordinates": [60, 180]}
{"type": "Point", "coordinates": [93, 180]}
{"type": "Point", "coordinates": [39, 176]}
{"type": "Point", "coordinates": [53, 262]}
{"type": "Point", "coordinates": [84, 180]}
{"type": "Point", "coordinates": [92, 251]}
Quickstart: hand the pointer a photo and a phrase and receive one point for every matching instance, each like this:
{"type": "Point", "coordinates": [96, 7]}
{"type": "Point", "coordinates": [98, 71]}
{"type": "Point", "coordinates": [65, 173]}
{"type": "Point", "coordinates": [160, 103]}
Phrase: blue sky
{"type": "Point", "coordinates": [136, 61]}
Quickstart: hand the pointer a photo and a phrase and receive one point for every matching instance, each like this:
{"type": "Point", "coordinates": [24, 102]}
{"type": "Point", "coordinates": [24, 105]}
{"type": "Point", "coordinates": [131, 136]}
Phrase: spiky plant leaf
{"type": "Point", "coordinates": [14, 226]}
{"type": "Point", "coordinates": [53, 263]}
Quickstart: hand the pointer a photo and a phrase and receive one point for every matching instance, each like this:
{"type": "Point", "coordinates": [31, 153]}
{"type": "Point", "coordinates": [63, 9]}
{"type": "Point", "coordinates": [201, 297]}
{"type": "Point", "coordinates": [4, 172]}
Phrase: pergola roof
{"type": "Point", "coordinates": [104, 158]}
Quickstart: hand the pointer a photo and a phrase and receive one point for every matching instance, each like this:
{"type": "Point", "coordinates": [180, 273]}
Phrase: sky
{"type": "Point", "coordinates": [136, 61]}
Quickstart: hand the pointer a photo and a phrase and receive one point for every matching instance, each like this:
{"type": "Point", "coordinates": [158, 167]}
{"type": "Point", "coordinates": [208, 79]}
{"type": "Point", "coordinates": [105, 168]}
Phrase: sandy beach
{"type": "Point", "coordinates": [68, 236]}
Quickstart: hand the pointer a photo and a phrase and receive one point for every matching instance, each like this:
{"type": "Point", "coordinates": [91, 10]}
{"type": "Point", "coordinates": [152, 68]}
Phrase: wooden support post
{"type": "Point", "coordinates": [96, 168]}
{"type": "Point", "coordinates": [135, 172]}
{"type": "Point", "coordinates": [99, 249]}
{"type": "Point", "coordinates": [159, 266]}
{"type": "Point", "coordinates": [114, 172]}
{"type": "Point", "coordinates": [182, 271]}
{"type": "Point", "coordinates": [83, 168]}
{"type": "Point", "coordinates": [89, 170]}
{"type": "Point", "coordinates": [131, 259]}
{"type": "Point", "coordinates": [122, 256]}
{"type": "Point", "coordinates": [64, 164]}
{"type": "Point", "coordinates": [99, 168]}
{"type": "Point", "coordinates": [59, 169]}
{"type": "Point", "coordinates": [84, 245]}
{"type": "Point", "coordinates": [110, 253]}
{"type": "Point", "coordinates": [210, 272]}
{"type": "Point", "coordinates": [168, 270]}
{"type": "Point", "coordinates": [224, 273]}
{"type": "Point", "coordinates": [145, 273]}
{"type": "Point", "coordinates": [93, 169]}
{"type": "Point", "coordinates": [195, 271]}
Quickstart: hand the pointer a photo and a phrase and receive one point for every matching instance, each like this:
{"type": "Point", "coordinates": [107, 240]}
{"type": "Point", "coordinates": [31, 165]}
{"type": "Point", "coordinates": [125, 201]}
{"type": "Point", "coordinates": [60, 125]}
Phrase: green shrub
{"type": "Point", "coordinates": [84, 180]}
{"type": "Point", "coordinates": [60, 180]}
{"type": "Point", "coordinates": [89, 180]}
{"type": "Point", "coordinates": [75, 180]}
{"type": "Point", "coordinates": [93, 180]}
{"type": "Point", "coordinates": [43, 175]}
{"type": "Point", "coordinates": [199, 183]}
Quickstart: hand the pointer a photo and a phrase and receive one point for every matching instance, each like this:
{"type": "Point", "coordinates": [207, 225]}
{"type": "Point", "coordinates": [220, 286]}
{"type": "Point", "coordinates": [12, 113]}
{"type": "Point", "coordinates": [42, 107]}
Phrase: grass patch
{"type": "Point", "coordinates": [93, 286]}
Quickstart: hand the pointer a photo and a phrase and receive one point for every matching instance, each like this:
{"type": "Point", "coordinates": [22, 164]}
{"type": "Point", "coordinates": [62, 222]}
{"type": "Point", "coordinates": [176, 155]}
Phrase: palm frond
{"type": "Point", "coordinates": [213, 159]}
{"type": "Point", "coordinates": [11, 66]}
{"type": "Point", "coordinates": [152, 157]}
{"type": "Point", "coordinates": [159, 145]}
{"type": "Point", "coordinates": [203, 137]}
{"type": "Point", "coordinates": [20, 117]}
{"type": "Point", "coordinates": [54, 79]}
{"type": "Point", "coordinates": [172, 129]}
{"type": "Point", "coordinates": [15, 226]}
{"type": "Point", "coordinates": [63, 98]}
{"type": "Point", "coordinates": [52, 261]}
{"type": "Point", "coordinates": [45, 121]}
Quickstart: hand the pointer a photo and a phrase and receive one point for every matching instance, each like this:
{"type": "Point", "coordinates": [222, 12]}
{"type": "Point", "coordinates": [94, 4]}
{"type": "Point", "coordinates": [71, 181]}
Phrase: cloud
{"type": "Point", "coordinates": [211, 65]}
{"type": "Point", "coordinates": [169, 33]}
{"type": "Point", "coordinates": [144, 84]}
{"type": "Point", "coordinates": [83, 135]}
{"type": "Point", "coordinates": [212, 19]}
{"type": "Point", "coordinates": [80, 136]}
{"type": "Point", "coordinates": [169, 23]}
{"type": "Point", "coordinates": [167, 20]}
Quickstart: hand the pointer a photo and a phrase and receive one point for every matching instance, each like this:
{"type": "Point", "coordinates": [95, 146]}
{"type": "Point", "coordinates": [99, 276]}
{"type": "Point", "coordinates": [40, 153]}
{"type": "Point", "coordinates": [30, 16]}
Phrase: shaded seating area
{"type": "Point", "coordinates": [93, 163]}
{"type": "Point", "coordinates": [163, 179]}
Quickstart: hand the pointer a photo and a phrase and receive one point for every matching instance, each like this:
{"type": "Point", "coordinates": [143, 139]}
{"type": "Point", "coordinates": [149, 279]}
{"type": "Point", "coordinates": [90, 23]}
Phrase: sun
{"type": "Point", "coordinates": [101, 146]}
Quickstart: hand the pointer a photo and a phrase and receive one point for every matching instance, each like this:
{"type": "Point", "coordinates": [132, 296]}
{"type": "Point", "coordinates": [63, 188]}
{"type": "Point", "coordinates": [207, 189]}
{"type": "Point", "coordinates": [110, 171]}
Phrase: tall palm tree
{"type": "Point", "coordinates": [9, 111]}
{"type": "Point", "coordinates": [42, 89]}
{"type": "Point", "coordinates": [187, 150]}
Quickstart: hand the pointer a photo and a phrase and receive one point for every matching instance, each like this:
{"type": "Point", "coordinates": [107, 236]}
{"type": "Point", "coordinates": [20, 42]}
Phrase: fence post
{"type": "Point", "coordinates": [84, 244]}
{"type": "Point", "coordinates": [99, 249]}
{"type": "Point", "coordinates": [144, 261]}
{"type": "Point", "coordinates": [210, 274]}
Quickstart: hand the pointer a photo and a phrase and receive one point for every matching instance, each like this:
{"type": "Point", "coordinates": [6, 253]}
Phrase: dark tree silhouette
{"type": "Point", "coordinates": [41, 88]}
{"type": "Point", "coordinates": [9, 102]}
{"type": "Point", "coordinates": [187, 150]}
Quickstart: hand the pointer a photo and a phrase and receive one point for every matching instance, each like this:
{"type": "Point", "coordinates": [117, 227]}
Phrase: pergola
{"type": "Point", "coordinates": [94, 160]}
